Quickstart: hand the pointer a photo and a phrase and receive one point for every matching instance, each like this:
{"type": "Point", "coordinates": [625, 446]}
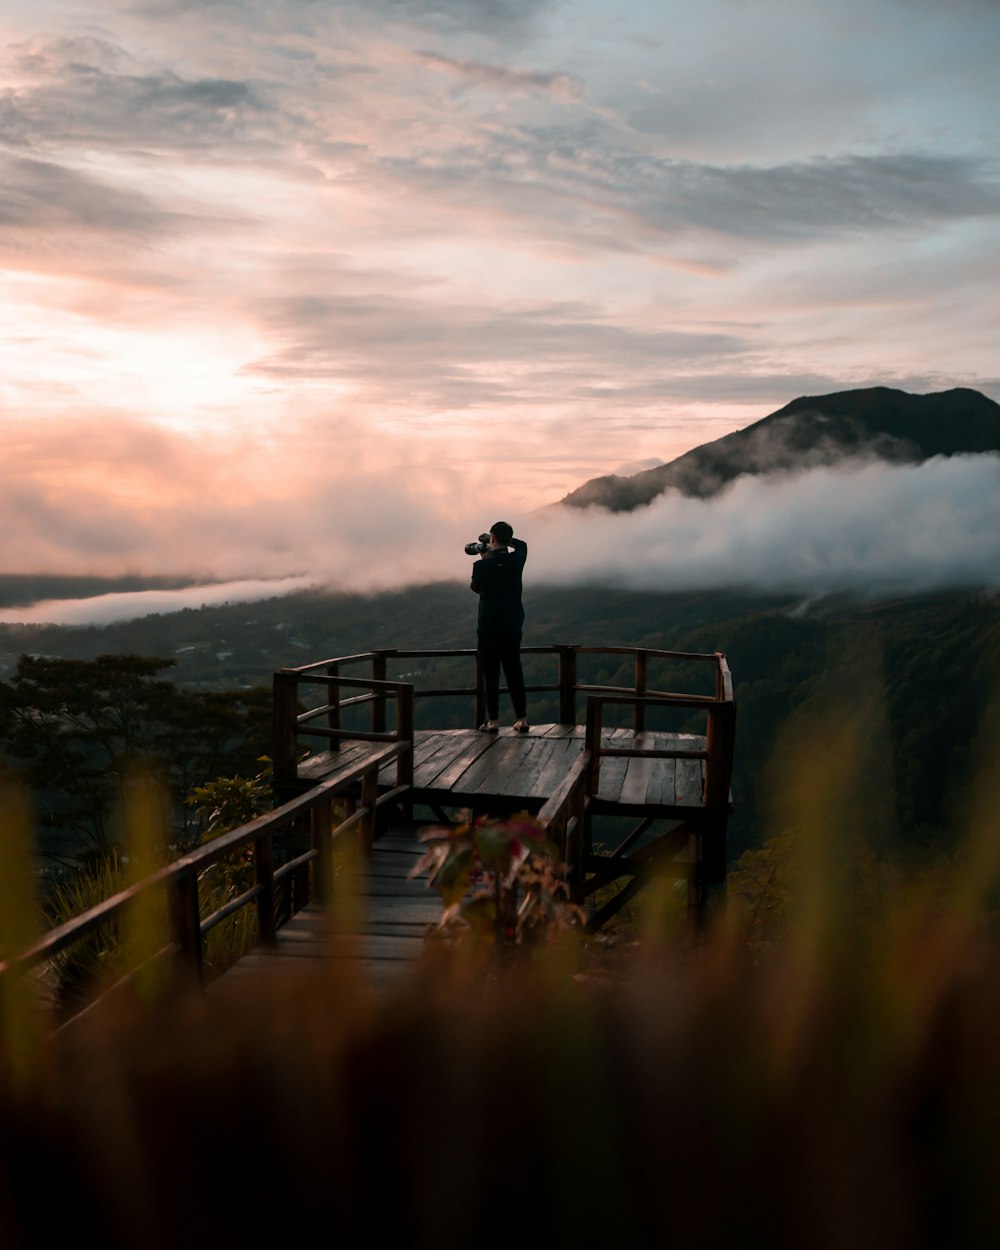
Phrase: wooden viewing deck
{"type": "Point", "coordinates": [519, 772]}
{"type": "Point", "coordinates": [668, 784]}
{"type": "Point", "coordinates": [566, 773]}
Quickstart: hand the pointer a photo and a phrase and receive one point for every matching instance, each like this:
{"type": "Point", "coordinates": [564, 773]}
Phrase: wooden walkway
{"type": "Point", "coordinates": [460, 769]}
{"type": "Point", "coordinates": [385, 913]}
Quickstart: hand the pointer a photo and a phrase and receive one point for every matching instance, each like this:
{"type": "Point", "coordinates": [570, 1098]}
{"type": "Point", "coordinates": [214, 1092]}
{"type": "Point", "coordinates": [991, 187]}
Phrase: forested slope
{"type": "Point", "coordinates": [929, 666]}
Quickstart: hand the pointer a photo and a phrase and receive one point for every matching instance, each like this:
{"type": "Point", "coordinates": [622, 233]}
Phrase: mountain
{"type": "Point", "coordinates": [811, 431]}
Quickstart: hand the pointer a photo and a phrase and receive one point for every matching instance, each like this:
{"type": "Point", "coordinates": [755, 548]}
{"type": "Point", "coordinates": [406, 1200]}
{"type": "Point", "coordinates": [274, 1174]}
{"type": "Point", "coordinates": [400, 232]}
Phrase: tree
{"type": "Point", "coordinates": [78, 728]}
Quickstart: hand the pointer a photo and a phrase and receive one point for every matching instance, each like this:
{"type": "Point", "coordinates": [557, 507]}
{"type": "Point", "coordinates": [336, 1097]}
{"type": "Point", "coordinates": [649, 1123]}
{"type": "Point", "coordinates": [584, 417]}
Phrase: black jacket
{"type": "Point", "coordinates": [496, 578]}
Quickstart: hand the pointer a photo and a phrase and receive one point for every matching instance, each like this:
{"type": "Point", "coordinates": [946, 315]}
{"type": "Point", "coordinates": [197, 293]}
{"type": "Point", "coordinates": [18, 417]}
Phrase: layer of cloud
{"type": "Point", "coordinates": [867, 527]}
{"type": "Point", "coordinates": [155, 501]}
{"type": "Point", "coordinates": [131, 605]}
{"type": "Point", "coordinates": [460, 354]}
{"type": "Point", "coordinates": [310, 500]}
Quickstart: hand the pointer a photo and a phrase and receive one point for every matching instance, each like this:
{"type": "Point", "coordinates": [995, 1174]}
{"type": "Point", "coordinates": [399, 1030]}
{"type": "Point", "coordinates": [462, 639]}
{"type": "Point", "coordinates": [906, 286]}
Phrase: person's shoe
{"type": "Point", "coordinates": [487, 728]}
{"type": "Point", "coordinates": [521, 727]}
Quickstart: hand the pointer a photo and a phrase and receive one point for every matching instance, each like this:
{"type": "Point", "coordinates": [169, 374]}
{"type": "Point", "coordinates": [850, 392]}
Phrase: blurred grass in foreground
{"type": "Point", "coordinates": [831, 1082]}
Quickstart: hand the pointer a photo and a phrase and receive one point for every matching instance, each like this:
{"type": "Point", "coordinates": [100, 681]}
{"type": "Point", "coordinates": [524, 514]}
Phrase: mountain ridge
{"type": "Point", "coordinates": [879, 421]}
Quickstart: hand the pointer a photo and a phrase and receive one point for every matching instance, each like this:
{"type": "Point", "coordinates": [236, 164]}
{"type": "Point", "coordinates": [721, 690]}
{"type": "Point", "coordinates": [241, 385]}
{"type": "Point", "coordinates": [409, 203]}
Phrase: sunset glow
{"type": "Point", "coordinates": [278, 278]}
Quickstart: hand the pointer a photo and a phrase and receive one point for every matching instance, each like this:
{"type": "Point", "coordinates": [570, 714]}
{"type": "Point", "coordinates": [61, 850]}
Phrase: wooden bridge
{"type": "Point", "coordinates": [639, 786]}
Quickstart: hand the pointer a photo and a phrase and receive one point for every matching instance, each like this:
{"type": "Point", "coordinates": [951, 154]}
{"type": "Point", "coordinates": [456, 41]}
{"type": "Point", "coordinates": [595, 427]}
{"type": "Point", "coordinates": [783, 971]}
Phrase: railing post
{"type": "Point", "coordinates": [480, 694]}
{"type": "Point", "coordinates": [575, 839]}
{"type": "Point", "coordinates": [404, 732]}
{"type": "Point", "coordinates": [301, 890]}
{"type": "Point", "coordinates": [320, 823]}
{"type": "Point", "coordinates": [567, 684]}
{"type": "Point", "coordinates": [285, 711]}
{"type": "Point", "coordinates": [378, 704]}
{"type": "Point", "coordinates": [263, 856]}
{"type": "Point", "coordinates": [185, 924]}
{"type": "Point", "coordinates": [719, 746]}
{"type": "Point", "coordinates": [593, 741]}
{"type": "Point", "coordinates": [723, 678]}
{"type": "Point", "coordinates": [639, 709]}
{"type": "Point", "coordinates": [333, 714]}
{"type": "Point", "coordinates": [711, 784]}
{"type": "Point", "coordinates": [369, 798]}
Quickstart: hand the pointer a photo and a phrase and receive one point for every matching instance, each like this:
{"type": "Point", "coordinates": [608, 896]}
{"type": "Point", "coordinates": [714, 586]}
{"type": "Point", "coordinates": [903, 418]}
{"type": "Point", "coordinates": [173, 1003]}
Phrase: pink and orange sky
{"type": "Point", "coordinates": [281, 280]}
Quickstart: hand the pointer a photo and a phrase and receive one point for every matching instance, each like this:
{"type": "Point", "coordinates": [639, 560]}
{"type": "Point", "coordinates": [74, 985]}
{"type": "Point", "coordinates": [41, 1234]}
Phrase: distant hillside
{"type": "Point", "coordinates": [814, 430]}
{"type": "Point", "coordinates": [19, 590]}
{"type": "Point", "coordinates": [932, 662]}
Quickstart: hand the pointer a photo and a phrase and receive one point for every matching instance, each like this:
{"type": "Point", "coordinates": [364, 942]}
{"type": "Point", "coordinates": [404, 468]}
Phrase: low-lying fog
{"type": "Point", "coordinates": [866, 526]}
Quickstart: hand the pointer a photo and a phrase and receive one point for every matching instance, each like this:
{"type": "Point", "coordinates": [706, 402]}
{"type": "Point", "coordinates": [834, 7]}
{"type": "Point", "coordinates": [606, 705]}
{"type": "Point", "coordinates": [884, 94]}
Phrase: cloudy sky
{"type": "Point", "coordinates": [283, 279]}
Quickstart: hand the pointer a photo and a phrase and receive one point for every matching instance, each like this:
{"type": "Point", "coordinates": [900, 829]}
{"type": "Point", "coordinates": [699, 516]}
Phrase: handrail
{"type": "Point", "coordinates": [180, 877]}
{"type": "Point", "coordinates": [396, 653]}
{"type": "Point", "coordinates": [717, 752]}
{"type": "Point", "coordinates": [563, 816]}
{"type": "Point", "coordinates": [291, 722]}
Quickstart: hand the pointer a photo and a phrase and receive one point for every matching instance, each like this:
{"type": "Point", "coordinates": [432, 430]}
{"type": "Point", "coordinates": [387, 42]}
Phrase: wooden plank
{"type": "Point", "coordinates": [557, 731]}
{"type": "Point", "coordinates": [660, 791]}
{"type": "Point", "coordinates": [467, 750]}
{"type": "Point", "coordinates": [392, 887]}
{"type": "Point", "coordinates": [444, 745]}
{"type": "Point", "coordinates": [404, 840]}
{"type": "Point", "coordinates": [377, 946]}
{"type": "Point", "coordinates": [387, 863]}
{"type": "Point", "coordinates": [540, 775]}
{"type": "Point", "coordinates": [325, 764]}
{"type": "Point", "coordinates": [638, 774]}
{"type": "Point", "coordinates": [689, 784]}
{"type": "Point", "coordinates": [411, 929]}
{"type": "Point", "coordinates": [303, 942]}
{"type": "Point", "coordinates": [611, 777]}
{"type": "Point", "coordinates": [523, 778]}
{"type": "Point", "coordinates": [408, 915]}
{"type": "Point", "coordinates": [428, 744]}
{"type": "Point", "coordinates": [662, 783]}
{"type": "Point", "coordinates": [429, 748]}
{"type": "Point", "coordinates": [398, 870]}
{"type": "Point", "coordinates": [485, 774]}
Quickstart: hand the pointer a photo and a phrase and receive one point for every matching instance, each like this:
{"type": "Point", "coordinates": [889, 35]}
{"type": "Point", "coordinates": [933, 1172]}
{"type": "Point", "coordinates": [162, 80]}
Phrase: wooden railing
{"type": "Point", "coordinates": [325, 720]}
{"type": "Point", "coordinates": [717, 752]}
{"type": "Point", "coordinates": [563, 817]}
{"type": "Point", "coordinates": [310, 873]}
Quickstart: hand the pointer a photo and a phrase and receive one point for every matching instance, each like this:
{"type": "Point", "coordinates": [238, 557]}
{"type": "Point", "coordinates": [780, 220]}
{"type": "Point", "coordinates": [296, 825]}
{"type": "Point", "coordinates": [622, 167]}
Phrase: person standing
{"type": "Point", "coordinates": [496, 579]}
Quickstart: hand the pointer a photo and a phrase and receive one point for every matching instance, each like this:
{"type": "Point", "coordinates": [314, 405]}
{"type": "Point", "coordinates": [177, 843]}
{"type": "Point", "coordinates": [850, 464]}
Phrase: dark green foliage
{"type": "Point", "coordinates": [77, 729]}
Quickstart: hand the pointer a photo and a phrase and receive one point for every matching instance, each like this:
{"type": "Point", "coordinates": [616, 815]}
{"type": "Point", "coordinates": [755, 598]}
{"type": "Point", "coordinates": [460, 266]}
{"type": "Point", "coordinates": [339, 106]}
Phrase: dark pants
{"type": "Point", "coordinates": [505, 650]}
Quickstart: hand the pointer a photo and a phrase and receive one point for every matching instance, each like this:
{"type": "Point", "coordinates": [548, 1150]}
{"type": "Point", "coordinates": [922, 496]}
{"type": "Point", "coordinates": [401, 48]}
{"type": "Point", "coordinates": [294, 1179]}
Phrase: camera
{"type": "Point", "coordinates": [478, 548]}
